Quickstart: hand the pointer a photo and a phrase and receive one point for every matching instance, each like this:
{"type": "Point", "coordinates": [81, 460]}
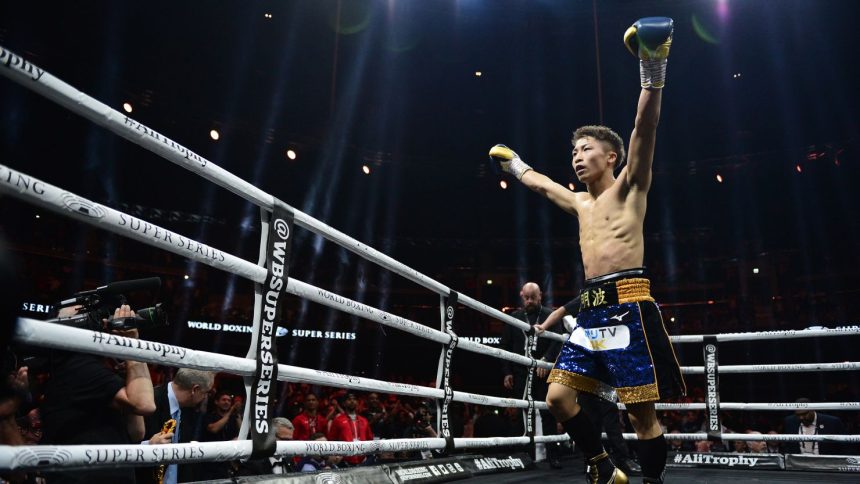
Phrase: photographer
{"type": "Point", "coordinates": [87, 403]}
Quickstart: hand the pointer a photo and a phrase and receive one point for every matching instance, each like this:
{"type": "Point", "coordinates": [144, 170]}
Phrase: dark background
{"type": "Point", "coordinates": [392, 85]}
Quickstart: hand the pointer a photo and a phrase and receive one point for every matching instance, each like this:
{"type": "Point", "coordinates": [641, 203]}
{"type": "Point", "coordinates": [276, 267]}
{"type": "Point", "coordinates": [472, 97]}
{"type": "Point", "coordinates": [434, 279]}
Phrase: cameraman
{"type": "Point", "coordinates": [87, 403]}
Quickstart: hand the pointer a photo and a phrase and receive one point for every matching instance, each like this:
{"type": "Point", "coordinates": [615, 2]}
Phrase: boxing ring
{"type": "Point", "coordinates": [260, 369]}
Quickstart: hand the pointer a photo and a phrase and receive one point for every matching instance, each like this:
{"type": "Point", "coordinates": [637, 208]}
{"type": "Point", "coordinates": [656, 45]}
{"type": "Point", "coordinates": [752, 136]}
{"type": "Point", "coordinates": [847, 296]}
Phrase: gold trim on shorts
{"type": "Point", "coordinates": [581, 383]}
{"type": "Point", "coordinates": [633, 290]}
{"type": "Point", "coordinates": [642, 393]}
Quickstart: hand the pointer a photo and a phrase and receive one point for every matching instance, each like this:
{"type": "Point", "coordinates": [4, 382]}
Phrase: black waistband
{"type": "Point", "coordinates": [602, 290]}
{"type": "Point", "coordinates": [614, 276]}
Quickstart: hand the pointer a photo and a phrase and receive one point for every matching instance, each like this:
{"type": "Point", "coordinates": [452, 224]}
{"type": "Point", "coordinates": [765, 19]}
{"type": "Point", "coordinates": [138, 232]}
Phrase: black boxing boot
{"type": "Point", "coordinates": [601, 470]}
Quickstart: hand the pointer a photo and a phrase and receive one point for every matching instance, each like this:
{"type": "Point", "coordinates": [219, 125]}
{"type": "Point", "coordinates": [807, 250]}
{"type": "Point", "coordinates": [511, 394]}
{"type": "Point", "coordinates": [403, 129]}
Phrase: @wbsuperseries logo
{"type": "Point", "coordinates": [282, 229]}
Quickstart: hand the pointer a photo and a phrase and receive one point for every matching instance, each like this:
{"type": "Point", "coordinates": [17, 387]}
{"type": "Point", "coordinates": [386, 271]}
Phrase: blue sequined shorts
{"type": "Point", "coordinates": [619, 345]}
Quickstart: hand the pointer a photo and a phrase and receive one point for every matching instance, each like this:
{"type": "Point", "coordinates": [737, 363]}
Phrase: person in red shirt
{"type": "Point", "coordinates": [309, 421]}
{"type": "Point", "coordinates": [349, 426]}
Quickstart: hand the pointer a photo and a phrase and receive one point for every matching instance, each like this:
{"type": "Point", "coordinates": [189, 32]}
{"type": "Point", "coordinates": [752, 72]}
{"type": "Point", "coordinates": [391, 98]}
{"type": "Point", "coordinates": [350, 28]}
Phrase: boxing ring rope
{"type": "Point", "coordinates": [768, 335]}
{"type": "Point", "coordinates": [45, 84]}
{"type": "Point", "coordinates": [761, 437]}
{"type": "Point", "coordinates": [51, 197]}
{"type": "Point", "coordinates": [71, 457]}
{"type": "Point", "coordinates": [796, 367]}
{"type": "Point", "coordinates": [758, 406]}
{"type": "Point", "coordinates": [56, 336]}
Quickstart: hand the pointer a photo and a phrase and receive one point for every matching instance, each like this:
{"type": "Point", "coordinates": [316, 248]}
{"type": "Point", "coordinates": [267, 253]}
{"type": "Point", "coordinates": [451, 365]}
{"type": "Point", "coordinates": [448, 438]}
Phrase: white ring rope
{"type": "Point", "coordinates": [757, 406]}
{"type": "Point", "coordinates": [796, 367]}
{"type": "Point", "coordinates": [88, 456]}
{"type": "Point", "coordinates": [57, 336]}
{"type": "Point", "coordinates": [71, 457]}
{"type": "Point", "coordinates": [760, 437]}
{"type": "Point", "coordinates": [42, 82]}
{"type": "Point", "coordinates": [43, 194]}
{"type": "Point", "coordinates": [765, 335]}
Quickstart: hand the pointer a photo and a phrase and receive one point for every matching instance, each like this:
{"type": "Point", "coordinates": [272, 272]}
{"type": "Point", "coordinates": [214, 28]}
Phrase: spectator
{"type": "Point", "coordinates": [284, 430]}
{"type": "Point", "coordinates": [703, 446]}
{"type": "Point", "coordinates": [313, 463]}
{"type": "Point", "coordinates": [677, 445]}
{"type": "Point", "coordinates": [309, 421]}
{"type": "Point", "coordinates": [773, 446]}
{"type": "Point", "coordinates": [177, 400]}
{"type": "Point", "coordinates": [31, 431]}
{"type": "Point", "coordinates": [223, 423]}
{"type": "Point", "coordinates": [756, 446]}
{"type": "Point", "coordinates": [350, 427]}
{"type": "Point", "coordinates": [375, 415]}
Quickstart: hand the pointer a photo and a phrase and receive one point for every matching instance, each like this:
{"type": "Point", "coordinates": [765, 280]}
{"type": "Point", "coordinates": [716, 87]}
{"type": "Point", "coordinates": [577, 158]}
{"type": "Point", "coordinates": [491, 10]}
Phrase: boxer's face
{"type": "Point", "coordinates": [591, 158]}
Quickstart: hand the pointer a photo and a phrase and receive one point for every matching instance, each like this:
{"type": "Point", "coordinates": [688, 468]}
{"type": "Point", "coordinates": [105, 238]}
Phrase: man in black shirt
{"type": "Point", "coordinates": [514, 340]}
{"type": "Point", "coordinates": [223, 423]}
{"type": "Point", "coordinates": [88, 403]}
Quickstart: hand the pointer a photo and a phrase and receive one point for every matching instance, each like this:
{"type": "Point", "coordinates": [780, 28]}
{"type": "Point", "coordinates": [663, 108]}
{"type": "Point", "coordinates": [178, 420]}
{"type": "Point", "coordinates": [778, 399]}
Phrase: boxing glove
{"type": "Point", "coordinates": [510, 162]}
{"type": "Point", "coordinates": [649, 39]}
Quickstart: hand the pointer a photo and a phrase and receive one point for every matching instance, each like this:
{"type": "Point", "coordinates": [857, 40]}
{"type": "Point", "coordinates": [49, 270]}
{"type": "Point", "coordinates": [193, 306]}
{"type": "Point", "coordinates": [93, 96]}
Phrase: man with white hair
{"type": "Point", "coordinates": [177, 400]}
{"type": "Point", "coordinates": [756, 446]}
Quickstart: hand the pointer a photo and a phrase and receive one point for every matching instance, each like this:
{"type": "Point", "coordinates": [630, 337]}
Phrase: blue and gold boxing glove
{"type": "Point", "coordinates": [649, 39]}
{"type": "Point", "coordinates": [510, 162]}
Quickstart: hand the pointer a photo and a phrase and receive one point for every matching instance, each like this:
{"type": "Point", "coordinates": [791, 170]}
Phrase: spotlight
{"type": "Point", "coordinates": [672, 319]}
{"type": "Point", "coordinates": [37, 215]}
{"type": "Point", "coordinates": [710, 301]}
{"type": "Point", "coordinates": [503, 184]}
{"type": "Point", "coordinates": [214, 134]}
{"type": "Point", "coordinates": [489, 282]}
{"type": "Point", "coordinates": [126, 107]}
{"type": "Point", "coordinates": [365, 169]}
{"type": "Point", "coordinates": [755, 270]}
{"type": "Point", "coordinates": [267, 15]}
{"type": "Point", "coordinates": [719, 178]}
{"type": "Point", "coordinates": [478, 74]}
{"type": "Point", "coordinates": [798, 168]}
{"type": "Point", "coordinates": [187, 277]}
{"type": "Point", "coordinates": [291, 154]}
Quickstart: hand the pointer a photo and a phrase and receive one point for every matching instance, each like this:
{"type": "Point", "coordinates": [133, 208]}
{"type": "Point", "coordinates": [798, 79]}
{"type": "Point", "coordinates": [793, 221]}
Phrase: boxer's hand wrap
{"type": "Point", "coordinates": [649, 39]}
{"type": "Point", "coordinates": [506, 159]}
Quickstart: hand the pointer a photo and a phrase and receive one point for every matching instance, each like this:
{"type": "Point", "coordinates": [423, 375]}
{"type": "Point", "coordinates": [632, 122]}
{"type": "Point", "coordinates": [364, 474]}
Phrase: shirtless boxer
{"type": "Point", "coordinates": [620, 343]}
